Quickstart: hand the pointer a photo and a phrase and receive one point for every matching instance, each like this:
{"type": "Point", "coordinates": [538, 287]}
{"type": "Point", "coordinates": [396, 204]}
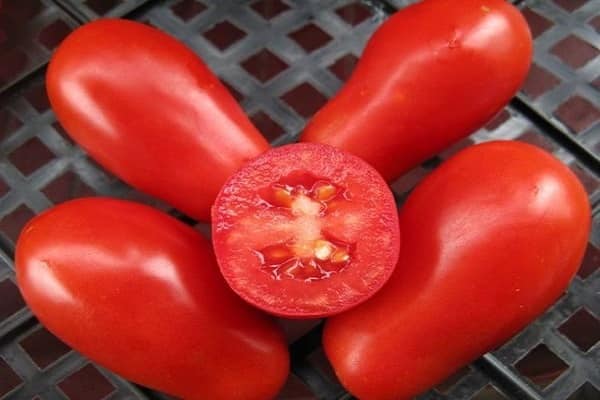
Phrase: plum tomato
{"type": "Point", "coordinates": [306, 231]}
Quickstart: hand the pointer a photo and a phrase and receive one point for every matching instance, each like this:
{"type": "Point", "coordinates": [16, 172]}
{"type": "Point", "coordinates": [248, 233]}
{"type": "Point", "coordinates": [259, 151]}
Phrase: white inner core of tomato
{"type": "Point", "coordinates": [312, 254]}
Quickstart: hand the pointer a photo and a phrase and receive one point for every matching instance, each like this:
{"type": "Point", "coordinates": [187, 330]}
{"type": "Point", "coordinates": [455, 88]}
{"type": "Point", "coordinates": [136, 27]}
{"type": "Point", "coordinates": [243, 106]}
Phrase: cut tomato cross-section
{"type": "Point", "coordinates": [306, 231]}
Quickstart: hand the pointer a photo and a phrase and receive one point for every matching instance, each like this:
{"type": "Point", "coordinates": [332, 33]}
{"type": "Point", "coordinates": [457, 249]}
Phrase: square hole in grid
{"type": "Point", "coordinates": [264, 65]}
{"type": "Point", "coordinates": [54, 33]}
{"type": "Point", "coordinates": [224, 35]}
{"type": "Point", "coordinates": [269, 9]}
{"type": "Point", "coordinates": [12, 301]}
{"type": "Point", "coordinates": [9, 123]}
{"type": "Point", "coordinates": [570, 5]}
{"type": "Point", "coordinates": [187, 9]}
{"type": "Point", "coordinates": [295, 389]}
{"type": "Point", "coordinates": [582, 328]}
{"type": "Point", "coordinates": [538, 24]}
{"type": "Point", "coordinates": [14, 62]}
{"type": "Point", "coordinates": [541, 366]}
{"type": "Point", "coordinates": [344, 66]}
{"type": "Point", "coordinates": [574, 51]}
{"type": "Point", "coordinates": [44, 348]}
{"type": "Point", "coordinates": [9, 379]}
{"type": "Point", "coordinates": [270, 129]}
{"type": "Point", "coordinates": [66, 187]}
{"type": "Point", "coordinates": [101, 7]}
{"type": "Point", "coordinates": [489, 392]}
{"type": "Point", "coordinates": [310, 37]}
{"type": "Point", "coordinates": [587, 391]}
{"type": "Point", "coordinates": [354, 13]}
{"type": "Point", "coordinates": [305, 99]}
{"type": "Point", "coordinates": [577, 113]}
{"type": "Point", "coordinates": [86, 384]}
{"type": "Point", "coordinates": [591, 261]}
{"type": "Point", "coordinates": [12, 223]}
{"type": "Point", "coordinates": [30, 156]}
{"type": "Point", "coordinates": [539, 81]}
{"type": "Point", "coordinates": [38, 98]}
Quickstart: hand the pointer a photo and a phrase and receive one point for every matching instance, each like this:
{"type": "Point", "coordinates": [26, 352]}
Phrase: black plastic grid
{"type": "Point", "coordinates": [282, 59]}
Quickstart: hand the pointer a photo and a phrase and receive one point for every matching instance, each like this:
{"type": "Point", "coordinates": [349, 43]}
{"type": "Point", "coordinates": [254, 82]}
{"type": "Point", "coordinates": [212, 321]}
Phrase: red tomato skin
{"type": "Point", "coordinates": [151, 112]}
{"type": "Point", "coordinates": [431, 74]}
{"type": "Point", "coordinates": [140, 293]}
{"type": "Point", "coordinates": [490, 240]}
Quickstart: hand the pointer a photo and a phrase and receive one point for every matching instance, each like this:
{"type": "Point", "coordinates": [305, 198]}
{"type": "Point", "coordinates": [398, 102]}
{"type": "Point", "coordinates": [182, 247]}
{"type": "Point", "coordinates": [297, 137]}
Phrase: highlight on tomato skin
{"type": "Point", "coordinates": [491, 239]}
{"type": "Point", "coordinates": [139, 292]}
{"type": "Point", "coordinates": [306, 231]}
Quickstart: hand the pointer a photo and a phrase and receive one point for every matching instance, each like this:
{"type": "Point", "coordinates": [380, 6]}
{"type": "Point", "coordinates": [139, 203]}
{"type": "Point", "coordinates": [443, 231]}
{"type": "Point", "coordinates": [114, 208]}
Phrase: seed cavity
{"type": "Point", "coordinates": [311, 254]}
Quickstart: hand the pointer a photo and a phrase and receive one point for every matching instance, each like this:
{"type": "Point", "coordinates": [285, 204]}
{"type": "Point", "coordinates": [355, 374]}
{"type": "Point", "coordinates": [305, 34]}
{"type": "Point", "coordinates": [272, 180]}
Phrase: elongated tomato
{"type": "Point", "coordinates": [490, 240]}
{"type": "Point", "coordinates": [140, 293]}
{"type": "Point", "coordinates": [149, 110]}
{"type": "Point", "coordinates": [430, 75]}
{"type": "Point", "coordinates": [305, 231]}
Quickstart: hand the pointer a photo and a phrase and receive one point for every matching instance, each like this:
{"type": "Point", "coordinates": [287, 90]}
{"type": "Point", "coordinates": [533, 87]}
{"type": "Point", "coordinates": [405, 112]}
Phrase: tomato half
{"type": "Point", "coordinates": [140, 293]}
{"type": "Point", "coordinates": [431, 74]}
{"type": "Point", "coordinates": [150, 111]}
{"type": "Point", "coordinates": [490, 240]}
{"type": "Point", "coordinates": [306, 230]}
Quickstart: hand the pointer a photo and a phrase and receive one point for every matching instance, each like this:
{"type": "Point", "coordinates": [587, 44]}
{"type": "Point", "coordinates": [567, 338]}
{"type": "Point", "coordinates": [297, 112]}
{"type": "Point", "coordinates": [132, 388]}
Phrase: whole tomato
{"type": "Point", "coordinates": [150, 111]}
{"type": "Point", "coordinates": [431, 74]}
{"type": "Point", "coordinates": [489, 240]}
{"type": "Point", "coordinates": [140, 293]}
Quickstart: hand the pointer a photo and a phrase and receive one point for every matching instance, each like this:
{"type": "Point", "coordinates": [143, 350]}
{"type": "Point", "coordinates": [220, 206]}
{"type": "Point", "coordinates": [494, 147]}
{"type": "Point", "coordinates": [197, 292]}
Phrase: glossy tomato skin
{"type": "Point", "coordinates": [151, 112]}
{"type": "Point", "coordinates": [140, 293]}
{"type": "Point", "coordinates": [490, 240]}
{"type": "Point", "coordinates": [431, 74]}
{"type": "Point", "coordinates": [360, 220]}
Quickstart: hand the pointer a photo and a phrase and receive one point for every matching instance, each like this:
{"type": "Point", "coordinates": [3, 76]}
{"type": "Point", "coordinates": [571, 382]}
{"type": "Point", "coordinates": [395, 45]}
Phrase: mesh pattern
{"type": "Point", "coordinates": [282, 59]}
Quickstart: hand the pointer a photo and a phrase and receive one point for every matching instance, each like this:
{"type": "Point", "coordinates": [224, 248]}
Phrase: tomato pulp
{"type": "Point", "coordinates": [140, 293]}
{"type": "Point", "coordinates": [306, 230]}
{"type": "Point", "coordinates": [432, 74]}
{"type": "Point", "coordinates": [151, 112]}
{"type": "Point", "coordinates": [490, 239]}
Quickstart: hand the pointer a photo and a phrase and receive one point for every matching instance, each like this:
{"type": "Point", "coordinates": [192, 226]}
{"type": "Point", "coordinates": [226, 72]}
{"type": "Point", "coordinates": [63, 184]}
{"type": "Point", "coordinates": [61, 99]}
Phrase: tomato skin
{"type": "Point", "coordinates": [151, 112]}
{"type": "Point", "coordinates": [431, 74]}
{"type": "Point", "coordinates": [490, 240]}
{"type": "Point", "coordinates": [140, 293]}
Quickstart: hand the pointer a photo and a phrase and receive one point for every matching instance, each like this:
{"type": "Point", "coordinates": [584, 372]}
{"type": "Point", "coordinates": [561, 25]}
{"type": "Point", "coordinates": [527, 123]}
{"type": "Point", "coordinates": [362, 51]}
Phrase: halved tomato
{"type": "Point", "coordinates": [306, 231]}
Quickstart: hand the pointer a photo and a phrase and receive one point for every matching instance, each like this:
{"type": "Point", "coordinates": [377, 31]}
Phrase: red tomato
{"type": "Point", "coordinates": [149, 110]}
{"type": "Point", "coordinates": [306, 231]}
{"type": "Point", "coordinates": [490, 240]}
{"type": "Point", "coordinates": [139, 292]}
{"type": "Point", "coordinates": [431, 74]}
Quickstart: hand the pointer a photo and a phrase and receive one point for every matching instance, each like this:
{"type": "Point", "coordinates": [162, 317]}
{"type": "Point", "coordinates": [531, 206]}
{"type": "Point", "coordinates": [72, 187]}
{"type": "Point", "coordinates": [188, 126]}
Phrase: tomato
{"type": "Point", "coordinates": [306, 231]}
{"type": "Point", "coordinates": [490, 240]}
{"type": "Point", "coordinates": [140, 293]}
{"type": "Point", "coordinates": [150, 111]}
{"type": "Point", "coordinates": [430, 75]}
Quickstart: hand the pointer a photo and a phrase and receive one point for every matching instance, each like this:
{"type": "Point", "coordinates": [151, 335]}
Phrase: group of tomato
{"type": "Point", "coordinates": [489, 239]}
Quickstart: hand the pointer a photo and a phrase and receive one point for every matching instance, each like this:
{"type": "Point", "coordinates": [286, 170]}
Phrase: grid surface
{"type": "Point", "coordinates": [282, 60]}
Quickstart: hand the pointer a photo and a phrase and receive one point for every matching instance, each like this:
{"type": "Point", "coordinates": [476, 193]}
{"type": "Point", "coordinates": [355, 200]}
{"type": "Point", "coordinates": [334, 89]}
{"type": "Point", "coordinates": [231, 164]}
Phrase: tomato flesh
{"type": "Point", "coordinates": [306, 230]}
